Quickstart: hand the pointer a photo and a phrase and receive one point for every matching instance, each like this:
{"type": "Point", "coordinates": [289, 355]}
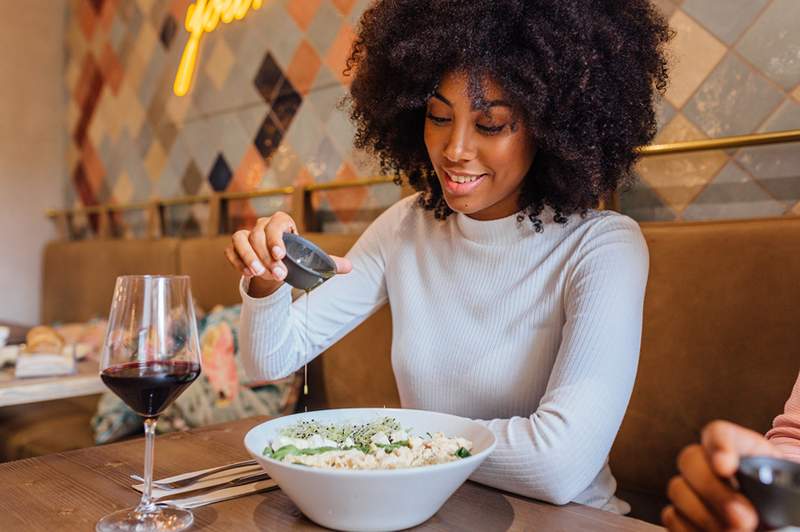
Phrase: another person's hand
{"type": "Point", "coordinates": [258, 253]}
{"type": "Point", "coordinates": [702, 495]}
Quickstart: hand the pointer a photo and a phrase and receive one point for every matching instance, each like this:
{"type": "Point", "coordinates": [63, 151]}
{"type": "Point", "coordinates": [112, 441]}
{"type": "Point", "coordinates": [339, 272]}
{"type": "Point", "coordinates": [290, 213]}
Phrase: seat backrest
{"type": "Point", "coordinates": [721, 339]}
{"type": "Point", "coordinates": [78, 277]}
{"type": "Point", "coordinates": [214, 281]}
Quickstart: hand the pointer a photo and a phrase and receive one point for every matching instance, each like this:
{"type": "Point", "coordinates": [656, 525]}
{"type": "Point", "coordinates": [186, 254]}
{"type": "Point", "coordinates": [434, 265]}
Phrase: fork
{"type": "Point", "coordinates": [256, 477]}
{"type": "Point", "coordinates": [188, 481]}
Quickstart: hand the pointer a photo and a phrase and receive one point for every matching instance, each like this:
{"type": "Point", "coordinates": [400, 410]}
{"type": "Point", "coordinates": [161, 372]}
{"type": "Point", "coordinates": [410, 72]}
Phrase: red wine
{"type": "Point", "coordinates": [149, 387]}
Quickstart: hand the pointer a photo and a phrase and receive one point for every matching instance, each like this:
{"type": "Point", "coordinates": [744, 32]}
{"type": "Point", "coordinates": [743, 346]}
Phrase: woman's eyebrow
{"type": "Point", "coordinates": [442, 99]}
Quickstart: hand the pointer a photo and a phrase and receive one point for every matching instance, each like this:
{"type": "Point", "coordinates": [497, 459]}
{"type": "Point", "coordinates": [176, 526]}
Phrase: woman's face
{"type": "Point", "coordinates": [481, 156]}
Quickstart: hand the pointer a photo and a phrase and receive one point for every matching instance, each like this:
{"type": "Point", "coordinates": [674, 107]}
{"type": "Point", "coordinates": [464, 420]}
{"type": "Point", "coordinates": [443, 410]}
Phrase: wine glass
{"type": "Point", "coordinates": [150, 355]}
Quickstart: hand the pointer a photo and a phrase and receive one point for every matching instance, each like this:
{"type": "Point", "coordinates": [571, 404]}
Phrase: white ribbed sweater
{"type": "Point", "coordinates": [535, 334]}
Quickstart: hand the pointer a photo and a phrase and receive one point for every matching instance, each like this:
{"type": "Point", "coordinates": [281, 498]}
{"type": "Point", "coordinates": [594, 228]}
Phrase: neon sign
{"type": "Point", "coordinates": [202, 17]}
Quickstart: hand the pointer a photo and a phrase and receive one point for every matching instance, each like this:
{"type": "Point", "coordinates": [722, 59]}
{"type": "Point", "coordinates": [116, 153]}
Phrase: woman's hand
{"type": "Point", "coordinates": [258, 253]}
{"type": "Point", "coordinates": [701, 495]}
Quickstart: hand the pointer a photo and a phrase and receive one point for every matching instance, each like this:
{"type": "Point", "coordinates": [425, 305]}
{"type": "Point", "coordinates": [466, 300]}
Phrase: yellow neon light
{"type": "Point", "coordinates": [203, 17]}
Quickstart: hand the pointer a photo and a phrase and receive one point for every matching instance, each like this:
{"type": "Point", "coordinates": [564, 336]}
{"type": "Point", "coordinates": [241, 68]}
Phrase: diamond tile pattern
{"type": "Point", "coordinates": [642, 202]}
{"type": "Point", "coordinates": [679, 178]}
{"type": "Point", "coordinates": [777, 167]}
{"type": "Point", "coordinates": [735, 70]}
{"type": "Point", "coordinates": [696, 53]}
{"type": "Point", "coordinates": [726, 19]}
{"type": "Point", "coordinates": [269, 136]}
{"type": "Point", "coordinates": [733, 194]}
{"type": "Point", "coordinates": [772, 44]}
{"type": "Point", "coordinates": [168, 30]}
{"type": "Point", "coordinates": [131, 139]}
{"type": "Point", "coordinates": [221, 174]}
{"type": "Point", "coordinates": [733, 100]}
{"type": "Point", "coordinates": [262, 109]}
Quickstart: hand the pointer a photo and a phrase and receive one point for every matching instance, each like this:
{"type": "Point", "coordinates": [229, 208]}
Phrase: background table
{"type": "Point", "coordinates": [71, 491]}
{"type": "Point", "coordinates": [14, 391]}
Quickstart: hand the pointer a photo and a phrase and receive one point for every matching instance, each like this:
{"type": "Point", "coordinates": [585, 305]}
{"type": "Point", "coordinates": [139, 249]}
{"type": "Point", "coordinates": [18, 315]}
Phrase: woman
{"type": "Point", "coordinates": [702, 496]}
{"type": "Point", "coordinates": [513, 301]}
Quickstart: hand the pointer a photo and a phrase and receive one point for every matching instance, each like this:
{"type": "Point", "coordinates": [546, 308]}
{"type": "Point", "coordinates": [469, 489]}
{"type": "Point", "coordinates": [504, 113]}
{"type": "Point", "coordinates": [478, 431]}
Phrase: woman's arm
{"type": "Point", "coordinates": [273, 336]}
{"type": "Point", "coordinates": [785, 433]}
{"type": "Point", "coordinates": [556, 452]}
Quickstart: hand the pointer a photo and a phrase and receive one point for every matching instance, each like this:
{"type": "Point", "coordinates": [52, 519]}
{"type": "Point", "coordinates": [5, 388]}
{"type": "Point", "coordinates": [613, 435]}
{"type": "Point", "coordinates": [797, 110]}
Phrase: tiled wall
{"type": "Point", "coordinates": [262, 109]}
{"type": "Point", "coordinates": [736, 70]}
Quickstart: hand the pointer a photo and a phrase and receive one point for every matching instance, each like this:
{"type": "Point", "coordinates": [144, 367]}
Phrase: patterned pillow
{"type": "Point", "coordinates": [222, 393]}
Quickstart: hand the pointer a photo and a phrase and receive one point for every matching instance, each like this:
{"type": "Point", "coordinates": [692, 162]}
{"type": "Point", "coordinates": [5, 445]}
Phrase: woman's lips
{"type": "Point", "coordinates": [459, 189]}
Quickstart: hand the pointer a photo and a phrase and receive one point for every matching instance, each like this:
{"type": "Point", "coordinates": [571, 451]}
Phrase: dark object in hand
{"type": "Point", "coordinates": [773, 486]}
{"type": "Point", "coordinates": [306, 264]}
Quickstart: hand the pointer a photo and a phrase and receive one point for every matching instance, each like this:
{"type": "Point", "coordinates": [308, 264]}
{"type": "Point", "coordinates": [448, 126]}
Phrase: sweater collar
{"type": "Point", "coordinates": [501, 231]}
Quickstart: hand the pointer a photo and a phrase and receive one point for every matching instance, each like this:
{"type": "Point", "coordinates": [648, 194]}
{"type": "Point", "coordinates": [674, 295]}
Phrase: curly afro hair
{"type": "Point", "coordinates": [581, 74]}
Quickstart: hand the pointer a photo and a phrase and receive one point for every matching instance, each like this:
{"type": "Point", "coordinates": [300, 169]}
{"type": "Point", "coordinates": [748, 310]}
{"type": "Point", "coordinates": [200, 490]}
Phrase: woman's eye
{"type": "Point", "coordinates": [490, 130]}
{"type": "Point", "coordinates": [437, 119]}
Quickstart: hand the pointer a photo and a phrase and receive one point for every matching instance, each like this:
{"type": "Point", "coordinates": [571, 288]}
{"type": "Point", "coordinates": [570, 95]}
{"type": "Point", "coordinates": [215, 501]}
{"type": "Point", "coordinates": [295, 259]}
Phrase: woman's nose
{"type": "Point", "coordinates": [459, 144]}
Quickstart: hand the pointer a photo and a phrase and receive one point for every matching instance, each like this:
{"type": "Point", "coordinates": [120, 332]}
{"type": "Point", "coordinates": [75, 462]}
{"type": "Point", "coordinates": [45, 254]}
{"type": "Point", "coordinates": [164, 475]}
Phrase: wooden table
{"type": "Point", "coordinates": [14, 391]}
{"type": "Point", "coordinates": [71, 491]}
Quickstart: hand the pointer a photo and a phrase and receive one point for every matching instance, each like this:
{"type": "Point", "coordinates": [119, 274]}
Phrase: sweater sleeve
{"type": "Point", "coordinates": [556, 452]}
{"type": "Point", "coordinates": [785, 433]}
{"type": "Point", "coordinates": [277, 339]}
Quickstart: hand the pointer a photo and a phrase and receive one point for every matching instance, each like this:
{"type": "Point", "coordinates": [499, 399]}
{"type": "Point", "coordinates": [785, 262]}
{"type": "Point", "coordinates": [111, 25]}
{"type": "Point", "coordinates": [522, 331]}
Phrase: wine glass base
{"type": "Point", "coordinates": [164, 517]}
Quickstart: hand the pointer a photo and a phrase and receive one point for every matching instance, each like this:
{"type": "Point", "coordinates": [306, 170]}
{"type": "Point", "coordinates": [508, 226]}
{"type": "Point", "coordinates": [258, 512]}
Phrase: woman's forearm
{"type": "Point", "coordinates": [268, 343]}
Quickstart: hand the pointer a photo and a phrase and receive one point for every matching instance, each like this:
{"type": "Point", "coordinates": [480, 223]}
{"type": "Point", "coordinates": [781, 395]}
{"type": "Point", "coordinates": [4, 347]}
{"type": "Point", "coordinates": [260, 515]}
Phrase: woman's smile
{"type": "Point", "coordinates": [458, 182]}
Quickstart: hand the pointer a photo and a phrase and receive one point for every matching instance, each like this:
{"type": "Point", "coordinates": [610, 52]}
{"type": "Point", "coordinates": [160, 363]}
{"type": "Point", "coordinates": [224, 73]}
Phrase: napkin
{"type": "Point", "coordinates": [44, 365]}
{"type": "Point", "coordinates": [8, 355]}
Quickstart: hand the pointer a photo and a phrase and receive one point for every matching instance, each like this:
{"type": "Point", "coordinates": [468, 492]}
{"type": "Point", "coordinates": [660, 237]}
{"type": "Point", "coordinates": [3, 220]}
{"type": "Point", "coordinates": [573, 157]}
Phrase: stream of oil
{"type": "Point", "coordinates": [308, 348]}
{"type": "Point", "coordinates": [308, 345]}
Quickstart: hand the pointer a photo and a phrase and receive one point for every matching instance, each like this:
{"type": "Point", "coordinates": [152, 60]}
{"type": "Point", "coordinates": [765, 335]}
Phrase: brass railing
{"type": "Point", "coordinates": [302, 208]}
{"type": "Point", "coordinates": [739, 141]}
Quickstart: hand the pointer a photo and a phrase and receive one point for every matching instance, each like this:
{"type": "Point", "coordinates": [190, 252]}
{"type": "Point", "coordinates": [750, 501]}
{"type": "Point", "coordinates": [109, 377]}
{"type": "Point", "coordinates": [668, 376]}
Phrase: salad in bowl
{"type": "Point", "coordinates": [379, 444]}
{"type": "Point", "coordinates": [370, 468]}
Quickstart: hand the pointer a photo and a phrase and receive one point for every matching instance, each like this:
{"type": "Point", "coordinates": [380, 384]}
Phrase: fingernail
{"type": "Point", "coordinates": [278, 272]}
{"type": "Point", "coordinates": [277, 252]}
{"type": "Point", "coordinates": [257, 267]}
{"type": "Point", "coordinates": [741, 513]}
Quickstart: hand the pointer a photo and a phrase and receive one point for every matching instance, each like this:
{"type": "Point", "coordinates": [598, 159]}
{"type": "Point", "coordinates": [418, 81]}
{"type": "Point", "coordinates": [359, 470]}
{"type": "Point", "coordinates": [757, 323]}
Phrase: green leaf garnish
{"type": "Point", "coordinates": [392, 446]}
{"type": "Point", "coordinates": [285, 451]}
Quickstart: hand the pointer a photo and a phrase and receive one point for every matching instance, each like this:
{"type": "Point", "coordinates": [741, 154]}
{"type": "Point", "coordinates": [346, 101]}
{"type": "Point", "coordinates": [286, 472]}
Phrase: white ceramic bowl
{"type": "Point", "coordinates": [373, 499]}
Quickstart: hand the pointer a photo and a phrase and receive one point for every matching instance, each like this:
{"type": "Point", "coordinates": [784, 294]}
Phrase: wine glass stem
{"type": "Point", "coordinates": [146, 504]}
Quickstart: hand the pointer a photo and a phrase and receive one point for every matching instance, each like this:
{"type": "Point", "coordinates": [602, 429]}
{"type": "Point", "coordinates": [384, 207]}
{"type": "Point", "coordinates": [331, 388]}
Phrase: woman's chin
{"type": "Point", "coordinates": [460, 205]}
